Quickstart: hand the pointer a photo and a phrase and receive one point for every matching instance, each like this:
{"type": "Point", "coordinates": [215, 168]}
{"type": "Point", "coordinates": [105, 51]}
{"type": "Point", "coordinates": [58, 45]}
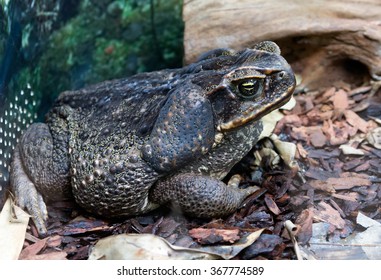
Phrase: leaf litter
{"type": "Point", "coordinates": [320, 169]}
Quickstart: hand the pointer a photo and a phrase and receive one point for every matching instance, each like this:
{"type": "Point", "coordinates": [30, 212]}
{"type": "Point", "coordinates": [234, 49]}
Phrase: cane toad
{"type": "Point", "coordinates": [126, 146]}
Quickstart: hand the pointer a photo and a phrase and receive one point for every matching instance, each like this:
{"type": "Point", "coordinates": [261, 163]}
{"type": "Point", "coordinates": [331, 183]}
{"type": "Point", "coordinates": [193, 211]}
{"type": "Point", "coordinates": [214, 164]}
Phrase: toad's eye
{"type": "Point", "coordinates": [250, 88]}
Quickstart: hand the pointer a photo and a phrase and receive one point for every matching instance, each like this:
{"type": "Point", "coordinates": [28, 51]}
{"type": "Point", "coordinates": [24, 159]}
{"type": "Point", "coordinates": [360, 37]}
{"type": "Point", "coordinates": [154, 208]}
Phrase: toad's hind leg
{"type": "Point", "coordinates": [199, 196]}
{"type": "Point", "coordinates": [36, 173]}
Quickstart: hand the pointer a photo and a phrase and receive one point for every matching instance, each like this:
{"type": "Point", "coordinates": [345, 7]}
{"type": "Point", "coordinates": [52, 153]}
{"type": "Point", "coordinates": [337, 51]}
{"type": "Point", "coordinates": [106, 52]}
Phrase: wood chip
{"type": "Point", "coordinates": [347, 182]}
{"type": "Point", "coordinates": [302, 152]}
{"type": "Point", "coordinates": [359, 90]}
{"type": "Point", "coordinates": [305, 222]}
{"type": "Point", "coordinates": [323, 153]}
{"type": "Point", "coordinates": [326, 213]}
{"type": "Point", "coordinates": [363, 167]}
{"type": "Point", "coordinates": [340, 100]}
{"type": "Point", "coordinates": [318, 139]}
{"type": "Point", "coordinates": [323, 186]}
{"type": "Point", "coordinates": [320, 174]}
{"type": "Point", "coordinates": [213, 235]}
{"type": "Point", "coordinates": [354, 120]}
{"type": "Point", "coordinates": [344, 197]}
{"type": "Point", "coordinates": [31, 251]}
{"type": "Point", "coordinates": [272, 205]}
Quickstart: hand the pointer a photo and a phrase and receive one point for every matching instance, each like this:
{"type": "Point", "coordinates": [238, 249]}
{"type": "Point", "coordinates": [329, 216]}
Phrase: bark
{"type": "Point", "coordinates": [322, 39]}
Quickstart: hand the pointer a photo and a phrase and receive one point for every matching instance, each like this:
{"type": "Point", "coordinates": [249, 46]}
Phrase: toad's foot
{"type": "Point", "coordinates": [199, 196]}
{"type": "Point", "coordinates": [27, 195]}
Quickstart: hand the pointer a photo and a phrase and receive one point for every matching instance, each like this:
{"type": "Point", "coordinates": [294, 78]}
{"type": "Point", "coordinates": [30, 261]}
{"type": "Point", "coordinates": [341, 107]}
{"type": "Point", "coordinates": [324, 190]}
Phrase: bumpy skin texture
{"type": "Point", "coordinates": [126, 146]}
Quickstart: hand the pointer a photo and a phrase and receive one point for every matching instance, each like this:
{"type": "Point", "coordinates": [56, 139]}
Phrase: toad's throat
{"type": "Point", "coordinates": [254, 113]}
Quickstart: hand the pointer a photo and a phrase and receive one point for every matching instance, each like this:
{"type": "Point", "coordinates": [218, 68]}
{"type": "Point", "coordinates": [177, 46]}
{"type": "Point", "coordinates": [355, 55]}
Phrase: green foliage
{"type": "Point", "coordinates": [106, 39]}
{"type": "Point", "coordinates": [112, 39]}
{"type": "Point", "coordinates": [3, 26]}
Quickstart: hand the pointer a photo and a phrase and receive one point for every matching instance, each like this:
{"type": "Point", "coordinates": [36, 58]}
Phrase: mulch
{"type": "Point", "coordinates": [338, 169]}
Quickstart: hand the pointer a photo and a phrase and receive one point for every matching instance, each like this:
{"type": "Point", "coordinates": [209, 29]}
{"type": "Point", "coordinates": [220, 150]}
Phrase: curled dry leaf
{"type": "Point", "coordinates": [13, 225]}
{"type": "Point", "coordinates": [152, 247]}
{"type": "Point", "coordinates": [286, 150]}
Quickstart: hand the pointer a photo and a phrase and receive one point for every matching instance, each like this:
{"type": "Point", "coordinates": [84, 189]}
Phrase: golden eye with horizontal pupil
{"type": "Point", "coordinates": [250, 88]}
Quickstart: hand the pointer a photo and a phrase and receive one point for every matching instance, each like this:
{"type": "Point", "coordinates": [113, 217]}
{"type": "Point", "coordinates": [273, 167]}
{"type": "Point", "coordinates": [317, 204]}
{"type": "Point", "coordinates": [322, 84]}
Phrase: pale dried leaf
{"type": "Point", "coordinates": [286, 150]}
{"type": "Point", "coordinates": [289, 105]}
{"type": "Point", "coordinates": [12, 231]}
{"type": "Point", "coordinates": [365, 221]}
{"type": "Point", "coordinates": [151, 247]}
{"type": "Point", "coordinates": [142, 247]}
{"type": "Point", "coordinates": [374, 138]}
{"type": "Point", "coordinates": [349, 150]}
{"type": "Point", "coordinates": [269, 122]}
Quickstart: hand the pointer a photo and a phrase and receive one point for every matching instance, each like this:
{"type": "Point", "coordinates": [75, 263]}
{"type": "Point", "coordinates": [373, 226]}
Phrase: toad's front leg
{"type": "Point", "coordinates": [198, 195]}
{"type": "Point", "coordinates": [39, 171]}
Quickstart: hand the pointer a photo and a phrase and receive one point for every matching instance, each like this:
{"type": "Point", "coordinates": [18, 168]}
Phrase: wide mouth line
{"type": "Point", "coordinates": [233, 124]}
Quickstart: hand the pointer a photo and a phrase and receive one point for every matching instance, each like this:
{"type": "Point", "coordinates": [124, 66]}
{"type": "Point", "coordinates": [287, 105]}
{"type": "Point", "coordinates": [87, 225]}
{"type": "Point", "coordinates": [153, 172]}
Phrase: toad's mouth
{"type": "Point", "coordinates": [256, 112]}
